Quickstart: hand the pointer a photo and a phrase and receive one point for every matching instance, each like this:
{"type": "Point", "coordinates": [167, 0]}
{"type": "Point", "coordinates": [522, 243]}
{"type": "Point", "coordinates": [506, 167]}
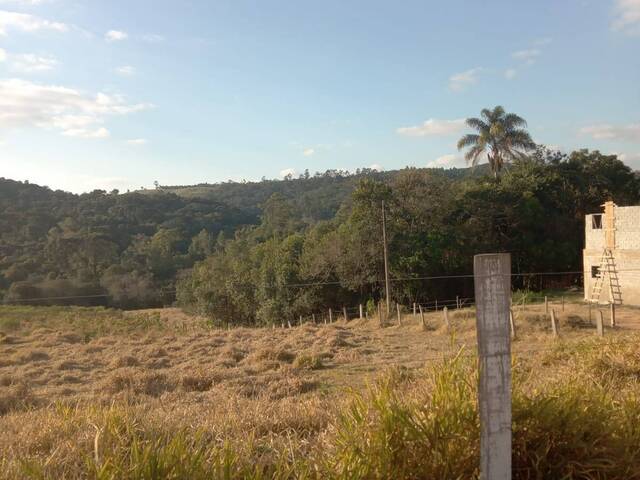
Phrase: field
{"type": "Point", "coordinates": [95, 393]}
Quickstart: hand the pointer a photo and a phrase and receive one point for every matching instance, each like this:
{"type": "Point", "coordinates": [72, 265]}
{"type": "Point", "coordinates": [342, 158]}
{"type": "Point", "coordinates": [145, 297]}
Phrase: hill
{"type": "Point", "coordinates": [232, 250]}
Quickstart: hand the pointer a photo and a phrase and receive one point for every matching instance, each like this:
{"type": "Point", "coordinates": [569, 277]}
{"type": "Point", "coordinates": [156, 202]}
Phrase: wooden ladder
{"type": "Point", "coordinates": [608, 268]}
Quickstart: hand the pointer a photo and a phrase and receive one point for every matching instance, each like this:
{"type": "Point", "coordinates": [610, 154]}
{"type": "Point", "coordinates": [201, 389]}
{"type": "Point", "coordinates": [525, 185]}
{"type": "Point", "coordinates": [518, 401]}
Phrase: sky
{"type": "Point", "coordinates": [118, 94]}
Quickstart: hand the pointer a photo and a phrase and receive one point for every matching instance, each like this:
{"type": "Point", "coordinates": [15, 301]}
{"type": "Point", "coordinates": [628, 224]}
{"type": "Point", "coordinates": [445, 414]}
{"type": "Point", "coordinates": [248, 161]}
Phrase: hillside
{"type": "Point", "coordinates": [231, 250]}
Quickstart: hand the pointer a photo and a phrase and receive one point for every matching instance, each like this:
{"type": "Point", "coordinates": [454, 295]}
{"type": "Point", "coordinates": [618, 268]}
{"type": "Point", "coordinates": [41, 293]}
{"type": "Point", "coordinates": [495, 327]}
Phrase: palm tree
{"type": "Point", "coordinates": [502, 136]}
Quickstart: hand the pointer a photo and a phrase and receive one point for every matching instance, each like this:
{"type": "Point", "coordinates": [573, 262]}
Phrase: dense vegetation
{"type": "Point", "coordinates": [239, 251]}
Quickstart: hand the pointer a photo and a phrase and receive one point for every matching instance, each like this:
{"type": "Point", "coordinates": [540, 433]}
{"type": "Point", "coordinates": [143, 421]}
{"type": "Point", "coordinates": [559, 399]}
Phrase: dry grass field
{"type": "Point", "coordinates": [94, 393]}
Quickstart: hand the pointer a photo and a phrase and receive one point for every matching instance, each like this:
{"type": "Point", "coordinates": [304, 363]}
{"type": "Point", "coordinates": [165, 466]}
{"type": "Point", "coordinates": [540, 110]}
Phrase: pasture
{"type": "Point", "coordinates": [98, 393]}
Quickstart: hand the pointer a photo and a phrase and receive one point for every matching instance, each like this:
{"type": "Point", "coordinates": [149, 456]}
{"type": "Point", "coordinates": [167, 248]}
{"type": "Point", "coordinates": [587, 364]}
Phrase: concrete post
{"type": "Point", "coordinates": [546, 306]}
{"type": "Point", "coordinates": [554, 325]}
{"type": "Point", "coordinates": [600, 324]}
{"type": "Point", "coordinates": [492, 278]}
{"type": "Point", "coordinates": [612, 314]}
{"type": "Point", "coordinates": [512, 324]}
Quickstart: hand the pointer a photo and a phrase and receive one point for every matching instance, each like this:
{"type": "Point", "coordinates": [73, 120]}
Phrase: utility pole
{"type": "Point", "coordinates": [386, 259]}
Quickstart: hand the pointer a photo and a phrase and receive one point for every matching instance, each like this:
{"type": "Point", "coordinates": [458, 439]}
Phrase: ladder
{"type": "Point", "coordinates": [608, 268]}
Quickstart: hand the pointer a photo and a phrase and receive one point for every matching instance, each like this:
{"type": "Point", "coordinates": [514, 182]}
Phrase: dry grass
{"type": "Point", "coordinates": [140, 398]}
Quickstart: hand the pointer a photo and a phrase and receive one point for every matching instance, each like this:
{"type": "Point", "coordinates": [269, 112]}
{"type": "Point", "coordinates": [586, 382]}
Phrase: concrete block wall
{"type": "Point", "coordinates": [626, 254]}
{"type": "Point", "coordinates": [627, 228]}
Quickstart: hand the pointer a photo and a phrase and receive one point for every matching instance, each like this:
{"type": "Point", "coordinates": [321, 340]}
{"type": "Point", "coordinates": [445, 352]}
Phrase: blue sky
{"type": "Point", "coordinates": [118, 94]}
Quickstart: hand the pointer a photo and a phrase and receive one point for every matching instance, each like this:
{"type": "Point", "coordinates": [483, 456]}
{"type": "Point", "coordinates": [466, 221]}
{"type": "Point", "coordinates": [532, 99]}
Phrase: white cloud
{"type": "Point", "coordinates": [461, 81]}
{"type": "Point", "coordinates": [73, 113]}
{"type": "Point", "coordinates": [629, 133]}
{"type": "Point", "coordinates": [631, 159]}
{"type": "Point", "coordinates": [152, 38]}
{"type": "Point", "coordinates": [31, 63]}
{"type": "Point", "coordinates": [626, 16]}
{"type": "Point", "coordinates": [27, 23]}
{"type": "Point", "coordinates": [510, 73]}
{"type": "Point", "coordinates": [100, 132]}
{"type": "Point", "coordinates": [433, 127]}
{"type": "Point", "coordinates": [307, 152]}
{"type": "Point", "coordinates": [529, 56]}
{"type": "Point", "coordinates": [288, 172]}
{"type": "Point", "coordinates": [137, 141]}
{"type": "Point", "coordinates": [24, 2]}
{"type": "Point", "coordinates": [447, 161]}
{"type": "Point", "coordinates": [115, 35]}
{"type": "Point", "coordinates": [377, 167]}
{"type": "Point", "coordinates": [125, 70]}
{"type": "Point", "coordinates": [3, 55]}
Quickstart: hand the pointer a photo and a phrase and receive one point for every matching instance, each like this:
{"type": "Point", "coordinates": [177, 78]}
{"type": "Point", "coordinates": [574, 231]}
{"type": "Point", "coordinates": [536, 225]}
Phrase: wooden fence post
{"type": "Point", "coordinates": [612, 314]}
{"type": "Point", "coordinates": [457, 302]}
{"type": "Point", "coordinates": [445, 312]}
{"type": "Point", "coordinates": [344, 314]}
{"type": "Point", "coordinates": [414, 309]}
{"type": "Point", "coordinates": [492, 278]}
{"type": "Point", "coordinates": [330, 316]}
{"type": "Point", "coordinates": [600, 324]}
{"type": "Point", "coordinates": [554, 325]}
{"type": "Point", "coordinates": [313, 318]}
{"type": "Point", "coordinates": [361, 315]}
{"type": "Point", "coordinates": [512, 324]}
{"type": "Point", "coordinates": [424, 324]}
{"type": "Point", "coordinates": [399, 315]}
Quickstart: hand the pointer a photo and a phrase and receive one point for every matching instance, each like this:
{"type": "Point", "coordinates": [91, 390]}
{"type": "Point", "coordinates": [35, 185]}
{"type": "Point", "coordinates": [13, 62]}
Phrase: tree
{"type": "Point", "coordinates": [502, 136]}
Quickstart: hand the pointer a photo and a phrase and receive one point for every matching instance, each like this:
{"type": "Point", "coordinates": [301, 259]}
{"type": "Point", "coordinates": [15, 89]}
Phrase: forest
{"type": "Point", "coordinates": [260, 252]}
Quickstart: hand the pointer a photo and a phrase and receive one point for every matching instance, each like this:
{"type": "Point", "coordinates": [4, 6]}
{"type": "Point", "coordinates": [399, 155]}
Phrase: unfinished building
{"type": "Point", "coordinates": [611, 256]}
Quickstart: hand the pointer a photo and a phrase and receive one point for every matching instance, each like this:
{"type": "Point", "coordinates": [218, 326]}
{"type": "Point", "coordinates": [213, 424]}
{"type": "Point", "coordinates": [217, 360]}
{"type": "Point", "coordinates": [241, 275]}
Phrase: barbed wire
{"type": "Point", "coordinates": [311, 284]}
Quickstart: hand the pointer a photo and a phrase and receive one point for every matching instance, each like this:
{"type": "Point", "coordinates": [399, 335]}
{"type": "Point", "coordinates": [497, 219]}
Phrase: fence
{"type": "Point", "coordinates": [496, 326]}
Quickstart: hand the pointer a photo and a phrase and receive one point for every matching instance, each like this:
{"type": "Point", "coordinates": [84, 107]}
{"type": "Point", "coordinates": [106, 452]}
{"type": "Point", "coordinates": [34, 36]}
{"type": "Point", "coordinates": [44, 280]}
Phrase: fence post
{"type": "Point", "coordinates": [492, 279]}
{"type": "Point", "coordinates": [546, 306]}
{"type": "Point", "coordinates": [457, 302]}
{"type": "Point", "coordinates": [445, 312]}
{"type": "Point", "coordinates": [600, 324]}
{"type": "Point", "coordinates": [414, 309]}
{"type": "Point", "coordinates": [512, 324]}
{"type": "Point", "coordinates": [554, 325]}
{"type": "Point", "coordinates": [300, 320]}
{"type": "Point", "coordinates": [361, 315]}
{"type": "Point", "coordinates": [612, 313]}
{"type": "Point", "coordinates": [330, 316]}
{"type": "Point", "coordinates": [313, 318]}
{"type": "Point", "coordinates": [436, 304]}
{"type": "Point", "coordinates": [380, 313]}
{"type": "Point", "coordinates": [399, 314]}
{"type": "Point", "coordinates": [424, 324]}
{"type": "Point", "coordinates": [344, 313]}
